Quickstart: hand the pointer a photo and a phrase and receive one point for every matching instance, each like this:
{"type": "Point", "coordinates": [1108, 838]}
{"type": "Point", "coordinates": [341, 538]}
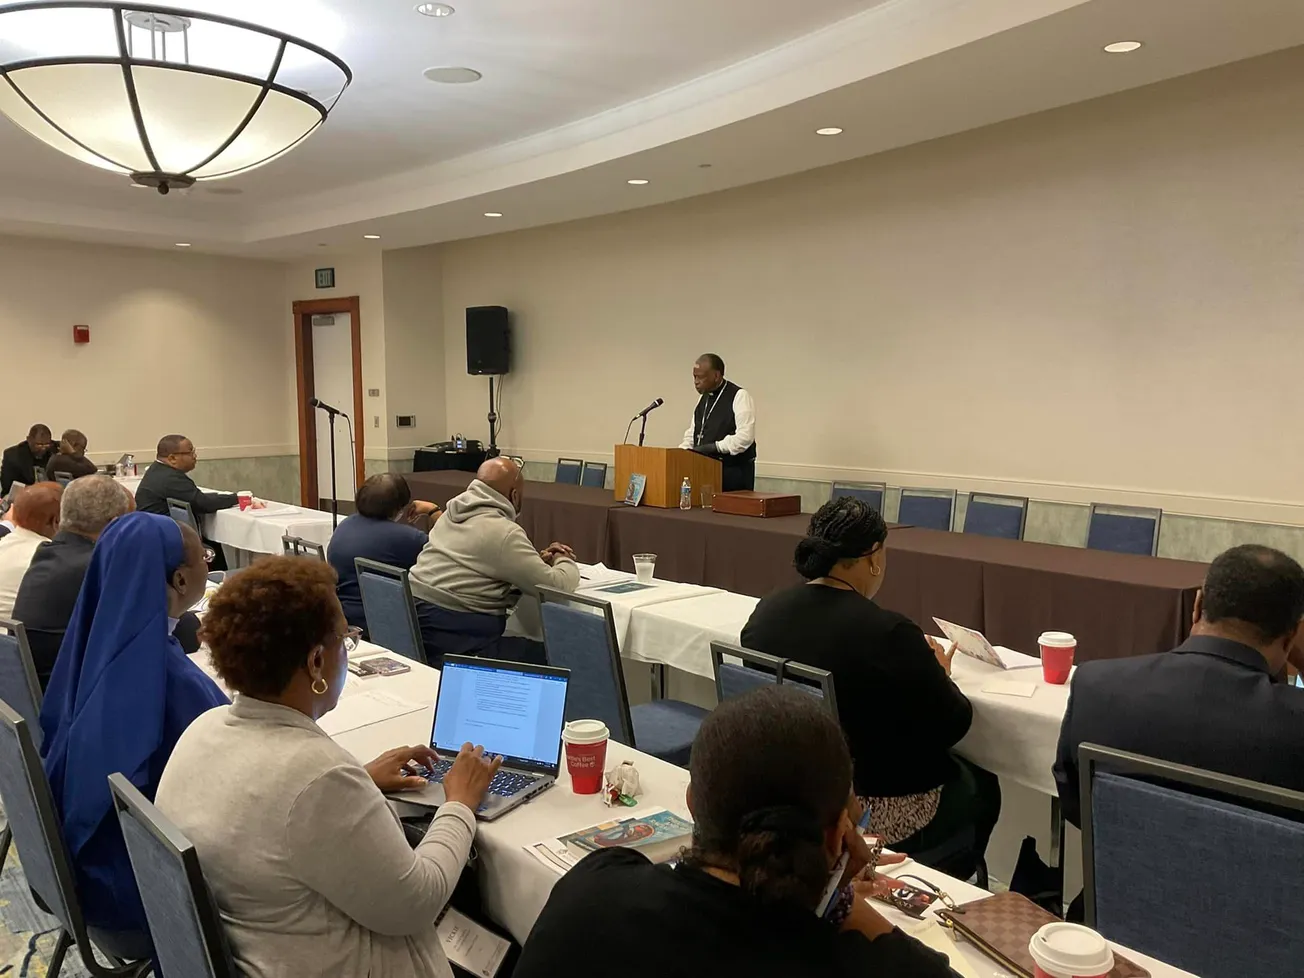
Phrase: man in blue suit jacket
{"type": "Point", "coordinates": [1220, 700]}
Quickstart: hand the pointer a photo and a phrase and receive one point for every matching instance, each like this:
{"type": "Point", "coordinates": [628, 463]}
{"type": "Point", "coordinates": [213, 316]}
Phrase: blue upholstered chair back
{"type": "Point", "coordinates": [809, 679]}
{"type": "Point", "coordinates": [19, 686]}
{"type": "Point", "coordinates": [63, 478]}
{"type": "Point", "coordinates": [996, 516]}
{"type": "Point", "coordinates": [579, 634]}
{"type": "Point", "coordinates": [595, 475]}
{"type": "Point", "coordinates": [180, 511]}
{"type": "Point", "coordinates": [299, 547]}
{"type": "Point", "coordinates": [29, 806]}
{"type": "Point", "coordinates": [1124, 529]}
{"type": "Point", "coordinates": [932, 509]}
{"type": "Point", "coordinates": [569, 471]}
{"type": "Point", "coordinates": [754, 670]}
{"type": "Point", "coordinates": [389, 609]}
{"type": "Point", "coordinates": [870, 493]}
{"type": "Point", "coordinates": [183, 918]}
{"type": "Point", "coordinates": [1151, 852]}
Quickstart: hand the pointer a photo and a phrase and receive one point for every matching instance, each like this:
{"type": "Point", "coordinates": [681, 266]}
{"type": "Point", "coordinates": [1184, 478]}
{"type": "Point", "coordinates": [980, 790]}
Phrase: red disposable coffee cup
{"type": "Point", "coordinates": [586, 754]}
{"type": "Point", "coordinates": [245, 497]}
{"type": "Point", "coordinates": [1057, 650]}
{"type": "Point", "coordinates": [1062, 950]}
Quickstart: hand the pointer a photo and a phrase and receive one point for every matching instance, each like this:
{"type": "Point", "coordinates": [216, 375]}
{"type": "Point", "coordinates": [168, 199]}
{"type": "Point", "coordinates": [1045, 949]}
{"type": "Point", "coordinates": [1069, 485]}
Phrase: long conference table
{"type": "Point", "coordinates": [1117, 605]}
{"type": "Point", "coordinates": [514, 884]}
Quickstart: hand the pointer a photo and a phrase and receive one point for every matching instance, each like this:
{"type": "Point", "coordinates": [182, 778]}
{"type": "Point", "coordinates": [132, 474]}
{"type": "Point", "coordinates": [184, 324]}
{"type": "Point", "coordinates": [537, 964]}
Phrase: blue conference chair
{"type": "Point", "coordinates": [579, 634]}
{"type": "Point", "coordinates": [595, 475]}
{"type": "Point", "coordinates": [1124, 529]}
{"type": "Point", "coordinates": [180, 511]}
{"type": "Point", "coordinates": [21, 689]}
{"type": "Point", "coordinates": [755, 670]}
{"type": "Point", "coordinates": [996, 516]}
{"type": "Point", "coordinates": [871, 493]}
{"type": "Point", "coordinates": [809, 679]}
{"type": "Point", "coordinates": [34, 821]}
{"type": "Point", "coordinates": [1154, 835]}
{"type": "Point", "coordinates": [933, 509]}
{"type": "Point", "coordinates": [63, 478]}
{"type": "Point", "coordinates": [389, 608]}
{"type": "Point", "coordinates": [569, 471]}
{"type": "Point", "coordinates": [293, 546]}
{"type": "Point", "coordinates": [189, 938]}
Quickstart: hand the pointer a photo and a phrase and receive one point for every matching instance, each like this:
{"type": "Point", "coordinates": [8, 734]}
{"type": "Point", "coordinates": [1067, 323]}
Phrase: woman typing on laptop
{"type": "Point", "coordinates": [307, 861]}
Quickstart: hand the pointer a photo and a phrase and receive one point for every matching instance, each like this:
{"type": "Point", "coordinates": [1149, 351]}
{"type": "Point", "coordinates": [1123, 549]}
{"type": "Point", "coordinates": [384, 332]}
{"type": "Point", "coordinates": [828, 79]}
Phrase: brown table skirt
{"type": "Point", "coordinates": [1116, 604]}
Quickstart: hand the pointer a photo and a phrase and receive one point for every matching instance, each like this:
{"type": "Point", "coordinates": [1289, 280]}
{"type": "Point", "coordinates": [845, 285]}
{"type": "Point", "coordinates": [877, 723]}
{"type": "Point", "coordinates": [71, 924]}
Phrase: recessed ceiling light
{"type": "Point", "coordinates": [1122, 47]}
{"type": "Point", "coordinates": [828, 131]}
{"type": "Point", "coordinates": [704, 166]}
{"type": "Point", "coordinates": [372, 237]}
{"type": "Point", "coordinates": [637, 182]}
{"type": "Point", "coordinates": [435, 10]}
{"type": "Point", "coordinates": [450, 75]}
{"type": "Point", "coordinates": [183, 244]}
{"type": "Point", "coordinates": [493, 214]}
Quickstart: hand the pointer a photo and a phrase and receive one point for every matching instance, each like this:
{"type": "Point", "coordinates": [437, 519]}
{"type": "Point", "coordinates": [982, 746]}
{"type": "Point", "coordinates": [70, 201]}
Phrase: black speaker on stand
{"type": "Point", "coordinates": [488, 351]}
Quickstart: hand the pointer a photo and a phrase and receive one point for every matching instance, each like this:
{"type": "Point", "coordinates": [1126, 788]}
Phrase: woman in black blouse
{"type": "Point", "coordinates": [771, 775]}
{"type": "Point", "coordinates": [900, 710]}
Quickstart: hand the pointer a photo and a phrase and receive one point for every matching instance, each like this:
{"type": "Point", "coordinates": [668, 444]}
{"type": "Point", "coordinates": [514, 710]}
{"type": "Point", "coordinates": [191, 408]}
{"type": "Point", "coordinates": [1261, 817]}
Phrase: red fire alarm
{"type": "Point", "coordinates": [81, 334]}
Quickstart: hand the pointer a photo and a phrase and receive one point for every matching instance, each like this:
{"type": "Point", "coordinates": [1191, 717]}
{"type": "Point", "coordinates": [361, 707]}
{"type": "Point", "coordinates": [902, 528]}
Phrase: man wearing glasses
{"type": "Point", "coordinates": [167, 479]}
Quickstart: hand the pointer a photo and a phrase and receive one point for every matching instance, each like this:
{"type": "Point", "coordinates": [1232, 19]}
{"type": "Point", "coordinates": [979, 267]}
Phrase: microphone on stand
{"type": "Point", "coordinates": [642, 415]}
{"type": "Point", "coordinates": [653, 406]}
{"type": "Point", "coordinates": [317, 402]}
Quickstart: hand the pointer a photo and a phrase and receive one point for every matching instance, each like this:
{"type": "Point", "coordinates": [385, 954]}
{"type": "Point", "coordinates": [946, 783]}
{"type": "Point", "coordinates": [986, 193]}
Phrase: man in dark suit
{"type": "Point", "coordinates": [167, 479]}
{"type": "Point", "coordinates": [1218, 701]}
{"type": "Point", "coordinates": [19, 463]}
{"type": "Point", "coordinates": [49, 589]}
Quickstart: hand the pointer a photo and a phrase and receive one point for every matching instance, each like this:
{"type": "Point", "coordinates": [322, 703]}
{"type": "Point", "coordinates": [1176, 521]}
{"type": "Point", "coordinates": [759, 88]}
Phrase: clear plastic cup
{"type": "Point", "coordinates": [644, 566]}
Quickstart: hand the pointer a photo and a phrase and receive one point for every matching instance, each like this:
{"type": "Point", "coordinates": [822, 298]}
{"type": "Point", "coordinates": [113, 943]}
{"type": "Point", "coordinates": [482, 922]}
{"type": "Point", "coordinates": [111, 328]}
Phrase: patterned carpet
{"type": "Point", "coordinates": [28, 934]}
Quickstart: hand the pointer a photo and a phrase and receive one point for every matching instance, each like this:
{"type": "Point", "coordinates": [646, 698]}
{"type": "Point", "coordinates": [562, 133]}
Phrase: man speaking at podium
{"type": "Point", "coordinates": [724, 424]}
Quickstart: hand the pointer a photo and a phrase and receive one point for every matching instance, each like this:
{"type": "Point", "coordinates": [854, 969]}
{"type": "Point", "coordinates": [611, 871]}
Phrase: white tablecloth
{"type": "Point", "coordinates": [246, 532]}
{"type": "Point", "coordinates": [680, 634]}
{"type": "Point", "coordinates": [516, 885]}
{"type": "Point", "coordinates": [1011, 736]}
{"type": "Point", "coordinates": [623, 605]}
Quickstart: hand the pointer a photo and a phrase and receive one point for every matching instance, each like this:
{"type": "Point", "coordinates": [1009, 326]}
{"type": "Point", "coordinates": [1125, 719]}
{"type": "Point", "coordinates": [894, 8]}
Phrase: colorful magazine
{"type": "Point", "coordinates": [659, 836]}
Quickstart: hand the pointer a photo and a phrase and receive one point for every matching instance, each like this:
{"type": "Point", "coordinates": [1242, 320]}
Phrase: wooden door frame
{"type": "Point", "coordinates": [304, 310]}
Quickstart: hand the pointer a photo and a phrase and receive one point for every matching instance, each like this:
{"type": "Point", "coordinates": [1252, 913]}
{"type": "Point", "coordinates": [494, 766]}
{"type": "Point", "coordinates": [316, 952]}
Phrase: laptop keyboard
{"type": "Point", "coordinates": [504, 783]}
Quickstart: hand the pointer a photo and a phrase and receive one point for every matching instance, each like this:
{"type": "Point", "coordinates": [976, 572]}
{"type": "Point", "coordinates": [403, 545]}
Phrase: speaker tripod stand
{"type": "Point", "coordinates": [492, 450]}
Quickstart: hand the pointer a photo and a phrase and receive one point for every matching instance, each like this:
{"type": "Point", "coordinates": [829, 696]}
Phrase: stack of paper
{"type": "Point", "coordinates": [363, 708]}
{"type": "Point", "coordinates": [599, 575]}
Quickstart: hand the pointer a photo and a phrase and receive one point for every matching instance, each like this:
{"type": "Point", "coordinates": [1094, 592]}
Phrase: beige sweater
{"type": "Point", "coordinates": [307, 861]}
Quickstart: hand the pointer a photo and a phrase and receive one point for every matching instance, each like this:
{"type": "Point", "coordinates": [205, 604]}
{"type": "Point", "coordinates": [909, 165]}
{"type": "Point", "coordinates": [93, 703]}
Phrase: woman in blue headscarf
{"type": "Point", "coordinates": [121, 693]}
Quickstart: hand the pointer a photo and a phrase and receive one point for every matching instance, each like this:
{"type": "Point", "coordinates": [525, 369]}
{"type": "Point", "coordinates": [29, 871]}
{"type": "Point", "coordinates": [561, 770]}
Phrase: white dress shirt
{"type": "Point", "coordinates": [16, 551]}
{"type": "Point", "coordinates": [744, 435]}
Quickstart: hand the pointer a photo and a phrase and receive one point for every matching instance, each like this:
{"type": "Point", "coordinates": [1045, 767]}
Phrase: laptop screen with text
{"type": "Point", "coordinates": [510, 712]}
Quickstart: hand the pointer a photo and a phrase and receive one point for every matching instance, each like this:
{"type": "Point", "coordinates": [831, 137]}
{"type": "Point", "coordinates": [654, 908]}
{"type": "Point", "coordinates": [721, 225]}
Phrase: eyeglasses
{"type": "Point", "coordinates": [351, 639]}
{"type": "Point", "coordinates": [209, 555]}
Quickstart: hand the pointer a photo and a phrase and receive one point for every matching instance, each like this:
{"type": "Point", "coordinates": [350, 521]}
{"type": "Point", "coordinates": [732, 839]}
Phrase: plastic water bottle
{"type": "Point", "coordinates": [686, 495]}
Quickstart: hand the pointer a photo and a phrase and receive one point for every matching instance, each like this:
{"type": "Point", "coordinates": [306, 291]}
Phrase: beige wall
{"type": "Point", "coordinates": [180, 342]}
{"type": "Point", "coordinates": [1101, 301]}
{"type": "Point", "coordinates": [414, 348]}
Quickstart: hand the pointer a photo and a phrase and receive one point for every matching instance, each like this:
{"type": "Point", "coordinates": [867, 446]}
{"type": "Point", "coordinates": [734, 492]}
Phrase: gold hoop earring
{"type": "Point", "coordinates": [319, 681]}
{"type": "Point", "coordinates": [874, 571]}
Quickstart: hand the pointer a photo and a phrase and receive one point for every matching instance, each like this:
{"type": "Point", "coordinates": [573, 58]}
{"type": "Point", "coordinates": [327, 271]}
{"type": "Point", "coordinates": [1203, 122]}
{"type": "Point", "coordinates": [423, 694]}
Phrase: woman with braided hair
{"type": "Point", "coordinates": [900, 710]}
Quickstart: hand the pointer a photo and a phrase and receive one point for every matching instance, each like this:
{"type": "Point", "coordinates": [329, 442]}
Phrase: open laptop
{"type": "Point", "coordinates": [510, 708]}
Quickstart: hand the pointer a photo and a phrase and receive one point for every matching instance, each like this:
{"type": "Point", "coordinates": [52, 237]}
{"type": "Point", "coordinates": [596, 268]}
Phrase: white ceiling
{"type": "Point", "coordinates": [579, 95]}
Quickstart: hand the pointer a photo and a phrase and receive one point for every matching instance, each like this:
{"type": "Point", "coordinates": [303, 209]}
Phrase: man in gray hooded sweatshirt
{"type": "Point", "coordinates": [477, 563]}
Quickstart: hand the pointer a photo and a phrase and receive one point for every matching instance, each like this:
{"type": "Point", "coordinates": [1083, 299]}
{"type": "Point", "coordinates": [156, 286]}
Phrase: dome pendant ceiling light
{"type": "Point", "coordinates": [165, 96]}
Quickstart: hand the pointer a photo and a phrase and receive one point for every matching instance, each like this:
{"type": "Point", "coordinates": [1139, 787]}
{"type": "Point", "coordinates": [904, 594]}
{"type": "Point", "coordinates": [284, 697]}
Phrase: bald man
{"type": "Point", "coordinates": [477, 563]}
{"type": "Point", "coordinates": [35, 515]}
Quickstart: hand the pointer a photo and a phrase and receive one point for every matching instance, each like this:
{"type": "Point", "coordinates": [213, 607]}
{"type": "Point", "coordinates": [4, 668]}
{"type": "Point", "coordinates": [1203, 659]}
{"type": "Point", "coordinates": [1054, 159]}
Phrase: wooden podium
{"type": "Point", "coordinates": [666, 469]}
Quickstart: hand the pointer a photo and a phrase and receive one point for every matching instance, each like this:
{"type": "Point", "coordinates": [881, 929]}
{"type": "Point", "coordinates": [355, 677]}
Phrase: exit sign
{"type": "Point", "coordinates": [325, 278]}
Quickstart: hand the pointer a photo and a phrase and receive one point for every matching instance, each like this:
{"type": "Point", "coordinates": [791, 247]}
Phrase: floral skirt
{"type": "Point", "coordinates": [901, 816]}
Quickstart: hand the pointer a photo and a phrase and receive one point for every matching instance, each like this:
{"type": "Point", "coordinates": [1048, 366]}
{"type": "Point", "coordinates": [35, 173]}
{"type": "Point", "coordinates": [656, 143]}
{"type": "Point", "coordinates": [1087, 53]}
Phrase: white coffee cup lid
{"type": "Point", "coordinates": [245, 492]}
{"type": "Point", "coordinates": [1071, 951]}
{"type": "Point", "coordinates": [585, 732]}
{"type": "Point", "coordinates": [1057, 639]}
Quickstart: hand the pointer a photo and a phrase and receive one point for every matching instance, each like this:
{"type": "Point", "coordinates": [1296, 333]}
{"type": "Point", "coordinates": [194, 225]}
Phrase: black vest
{"type": "Point", "coordinates": [714, 420]}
